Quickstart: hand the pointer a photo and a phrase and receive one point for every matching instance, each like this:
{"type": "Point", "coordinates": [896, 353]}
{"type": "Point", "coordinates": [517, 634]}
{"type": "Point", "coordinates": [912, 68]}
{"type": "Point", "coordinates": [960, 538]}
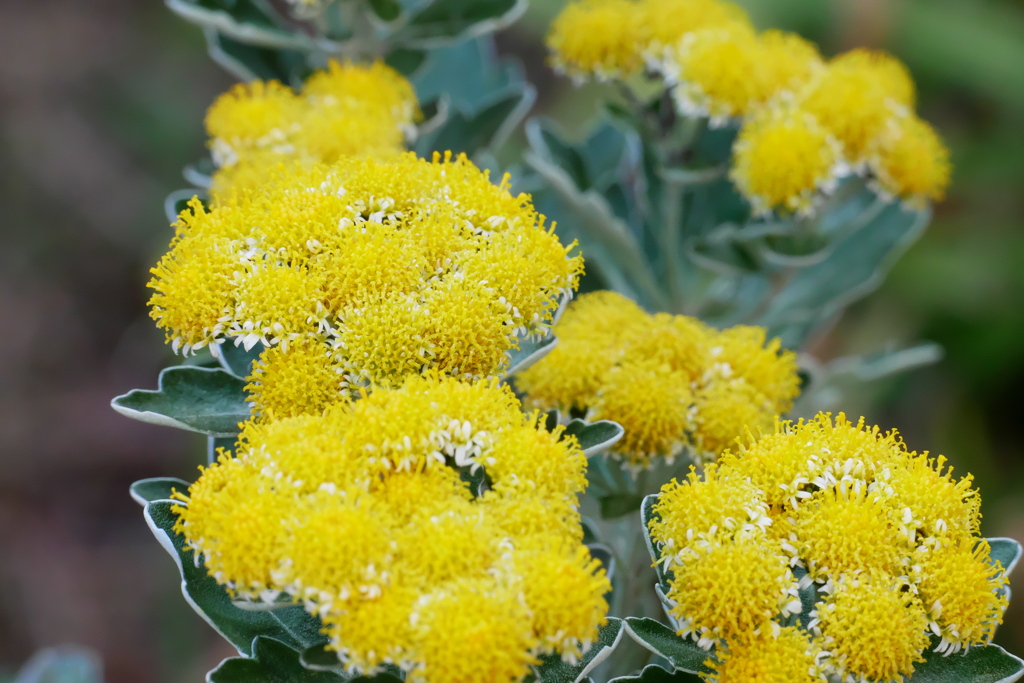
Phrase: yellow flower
{"type": "Point", "coordinates": [601, 38]}
{"type": "Point", "coordinates": [670, 381]}
{"type": "Point", "coordinates": [784, 160]}
{"type": "Point", "coordinates": [565, 594]}
{"type": "Point", "coordinates": [932, 503]}
{"type": "Point", "coordinates": [726, 589]}
{"type": "Point", "coordinates": [849, 101]}
{"type": "Point", "coordinates": [771, 655]}
{"type": "Point", "coordinates": [707, 508]}
{"type": "Point", "coordinates": [401, 266]}
{"type": "Point", "coordinates": [964, 591]}
{"type": "Point", "coordinates": [777, 464]}
{"type": "Point", "coordinates": [302, 380]}
{"type": "Point", "coordinates": [890, 73]}
{"type": "Point", "coordinates": [873, 628]}
{"type": "Point", "coordinates": [471, 632]}
{"type": "Point", "coordinates": [714, 72]}
{"type": "Point", "coordinates": [846, 529]}
{"type": "Point", "coordinates": [345, 110]}
{"type": "Point", "coordinates": [787, 62]}
{"type": "Point", "coordinates": [361, 514]}
{"type": "Point", "coordinates": [665, 22]}
{"type": "Point", "coordinates": [911, 162]}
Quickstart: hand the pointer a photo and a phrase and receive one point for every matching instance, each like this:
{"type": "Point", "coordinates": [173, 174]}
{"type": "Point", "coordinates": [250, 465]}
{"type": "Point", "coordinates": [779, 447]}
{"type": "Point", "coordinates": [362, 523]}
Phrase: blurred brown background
{"type": "Point", "coordinates": [101, 104]}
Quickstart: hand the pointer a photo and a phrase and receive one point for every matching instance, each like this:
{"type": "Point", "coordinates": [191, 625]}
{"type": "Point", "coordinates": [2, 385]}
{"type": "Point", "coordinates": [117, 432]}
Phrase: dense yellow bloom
{"type": "Point", "coordinates": [596, 37]}
{"type": "Point", "coordinates": [716, 72]}
{"type": "Point", "coordinates": [665, 22]}
{"type": "Point", "coordinates": [910, 161]}
{"type": "Point", "coordinates": [963, 590]}
{"type": "Point", "coordinates": [784, 159]}
{"type": "Point", "coordinates": [786, 62]}
{"type": "Point", "coordinates": [361, 514]}
{"type": "Point", "coordinates": [672, 382]}
{"type": "Point", "coordinates": [379, 269]}
{"type": "Point", "coordinates": [846, 529]}
{"type": "Point", "coordinates": [888, 537]}
{"type": "Point", "coordinates": [766, 657]}
{"type": "Point", "coordinates": [346, 110]}
{"type": "Point", "coordinates": [891, 74]}
{"type": "Point", "coordinates": [873, 628]}
{"type": "Point", "coordinates": [725, 589]}
{"type": "Point", "coordinates": [706, 508]}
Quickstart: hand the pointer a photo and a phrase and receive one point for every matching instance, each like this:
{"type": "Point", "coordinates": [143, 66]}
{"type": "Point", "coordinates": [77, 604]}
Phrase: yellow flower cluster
{"type": "Point", "coordinates": [806, 122]}
{"type": "Point", "coordinates": [360, 274]}
{"type": "Point", "coordinates": [887, 539]}
{"type": "Point", "coordinates": [671, 381]}
{"type": "Point", "coordinates": [363, 515]}
{"type": "Point", "coordinates": [345, 110]}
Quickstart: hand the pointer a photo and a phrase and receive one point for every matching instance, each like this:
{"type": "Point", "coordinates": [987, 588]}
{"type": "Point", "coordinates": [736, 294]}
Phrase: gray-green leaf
{"type": "Point", "coordinates": [66, 664]}
{"type": "Point", "coordinates": [529, 352]}
{"type": "Point", "coordinates": [146, 491]}
{"type": "Point", "coordinates": [595, 437]}
{"type": "Point", "coordinates": [656, 674]}
{"type": "Point", "coordinates": [1006, 551]}
{"type": "Point", "coordinates": [553, 670]}
{"type": "Point", "coordinates": [271, 662]}
{"type": "Point", "coordinates": [682, 653]}
{"type": "Point", "coordinates": [990, 664]}
{"type": "Point", "coordinates": [203, 400]}
{"type": "Point", "coordinates": [290, 625]}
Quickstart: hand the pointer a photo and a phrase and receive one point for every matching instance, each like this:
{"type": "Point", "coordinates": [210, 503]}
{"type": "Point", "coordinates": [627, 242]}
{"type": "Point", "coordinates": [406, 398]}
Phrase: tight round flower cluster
{"type": "Point", "coordinates": [887, 542]}
{"type": "Point", "coordinates": [345, 110]}
{"type": "Point", "coordinates": [364, 515]}
{"type": "Point", "coordinates": [360, 274]}
{"type": "Point", "coordinates": [805, 122]}
{"type": "Point", "coordinates": [671, 381]}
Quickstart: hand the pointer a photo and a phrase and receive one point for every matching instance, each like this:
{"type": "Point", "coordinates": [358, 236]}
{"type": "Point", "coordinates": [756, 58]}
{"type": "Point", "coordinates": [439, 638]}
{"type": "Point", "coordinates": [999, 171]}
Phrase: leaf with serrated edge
{"type": "Point", "coordinates": [594, 437]}
{"type": "Point", "coordinates": [989, 664]}
{"type": "Point", "coordinates": [663, 641]}
{"type": "Point", "coordinates": [656, 674]}
{"type": "Point", "coordinates": [204, 400]}
{"type": "Point", "coordinates": [553, 670]}
{"type": "Point", "coordinates": [145, 491]}
{"type": "Point", "coordinates": [272, 662]}
{"type": "Point", "coordinates": [291, 625]}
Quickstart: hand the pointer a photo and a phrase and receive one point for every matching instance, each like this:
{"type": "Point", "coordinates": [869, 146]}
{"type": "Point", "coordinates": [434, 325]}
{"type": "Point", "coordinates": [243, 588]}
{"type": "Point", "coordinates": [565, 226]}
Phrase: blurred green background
{"type": "Point", "coordinates": [101, 104]}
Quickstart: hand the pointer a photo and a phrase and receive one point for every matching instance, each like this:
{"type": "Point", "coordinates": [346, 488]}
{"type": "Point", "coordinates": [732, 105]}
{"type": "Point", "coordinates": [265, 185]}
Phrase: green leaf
{"type": "Point", "coordinates": [486, 127]}
{"type": "Point", "coordinates": [682, 653]}
{"type": "Point", "coordinates": [647, 514]}
{"type": "Point", "coordinates": [178, 200]}
{"type": "Point", "coordinates": [445, 22]}
{"type": "Point", "coordinates": [405, 61]}
{"type": "Point", "coordinates": [595, 437]}
{"type": "Point", "coordinates": [271, 662]}
{"type": "Point", "coordinates": [613, 507]}
{"type": "Point", "coordinates": [203, 400]}
{"type": "Point", "coordinates": [553, 670]}
{"type": "Point", "coordinates": [1006, 551]}
{"type": "Point", "coordinates": [656, 674]}
{"type": "Point", "coordinates": [245, 21]}
{"type": "Point", "coordinates": [529, 352]}
{"type": "Point", "coordinates": [146, 491]}
{"type": "Point", "coordinates": [989, 664]}
{"type": "Point", "coordinates": [237, 360]}
{"type": "Point", "coordinates": [609, 480]}
{"type": "Point", "coordinates": [292, 626]}
{"type": "Point", "coordinates": [250, 62]}
{"type": "Point", "coordinates": [386, 10]}
{"type": "Point", "coordinates": [65, 664]}
{"type": "Point", "coordinates": [808, 598]}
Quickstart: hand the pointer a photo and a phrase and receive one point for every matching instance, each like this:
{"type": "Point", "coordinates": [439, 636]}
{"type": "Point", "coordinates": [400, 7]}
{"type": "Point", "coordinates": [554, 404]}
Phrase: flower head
{"type": "Point", "coordinates": [361, 514]}
{"type": "Point", "coordinates": [785, 160]}
{"type": "Point", "coordinates": [671, 381]}
{"type": "Point", "coordinates": [872, 628]}
{"type": "Point", "coordinates": [770, 655]}
{"type": "Point", "coordinates": [886, 541]}
{"type": "Point", "coordinates": [379, 269]}
{"type": "Point", "coordinates": [910, 161]}
{"type": "Point", "coordinates": [345, 110]}
{"type": "Point", "coordinates": [599, 38]}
